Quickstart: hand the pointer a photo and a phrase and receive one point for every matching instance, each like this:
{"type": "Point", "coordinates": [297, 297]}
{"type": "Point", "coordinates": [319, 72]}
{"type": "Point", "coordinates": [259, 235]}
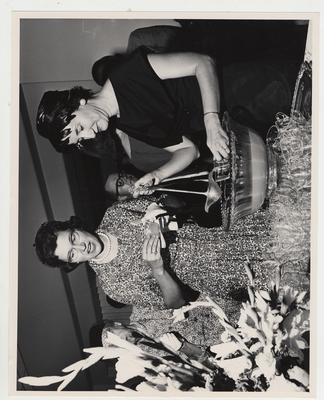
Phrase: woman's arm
{"type": "Point", "coordinates": [177, 65]}
{"type": "Point", "coordinates": [183, 154]}
{"type": "Point", "coordinates": [171, 291]}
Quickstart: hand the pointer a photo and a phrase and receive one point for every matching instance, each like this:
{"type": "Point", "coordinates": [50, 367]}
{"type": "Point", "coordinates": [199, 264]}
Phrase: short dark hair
{"type": "Point", "coordinates": [45, 242]}
{"type": "Point", "coordinates": [55, 112]}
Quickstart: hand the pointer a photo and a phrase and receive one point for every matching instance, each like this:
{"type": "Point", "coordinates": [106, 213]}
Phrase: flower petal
{"type": "Point", "coordinates": [40, 380]}
{"type": "Point", "coordinates": [68, 378]}
{"type": "Point", "coordinates": [279, 384]}
{"type": "Point", "coordinates": [298, 374]}
{"type": "Point", "coordinates": [234, 367]}
{"type": "Point", "coordinates": [225, 349]}
{"type": "Point", "coordinates": [74, 367]}
{"type": "Point", "coordinates": [265, 295]}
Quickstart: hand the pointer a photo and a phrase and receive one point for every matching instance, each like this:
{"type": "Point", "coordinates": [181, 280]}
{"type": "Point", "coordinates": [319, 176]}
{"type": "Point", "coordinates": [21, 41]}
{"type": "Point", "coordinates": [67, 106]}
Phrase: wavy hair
{"type": "Point", "coordinates": [45, 242]}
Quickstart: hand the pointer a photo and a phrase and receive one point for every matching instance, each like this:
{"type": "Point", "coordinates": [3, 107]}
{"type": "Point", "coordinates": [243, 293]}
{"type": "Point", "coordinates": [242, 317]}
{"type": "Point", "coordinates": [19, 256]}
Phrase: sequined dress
{"type": "Point", "coordinates": [208, 260]}
{"type": "Point", "coordinates": [200, 326]}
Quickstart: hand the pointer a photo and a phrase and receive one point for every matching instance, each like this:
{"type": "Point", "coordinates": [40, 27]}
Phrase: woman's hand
{"type": "Point", "coordinates": [151, 253]}
{"type": "Point", "coordinates": [142, 191]}
{"type": "Point", "coordinates": [143, 185]}
{"type": "Point", "coordinates": [170, 341]}
{"type": "Point", "coordinates": [217, 139]}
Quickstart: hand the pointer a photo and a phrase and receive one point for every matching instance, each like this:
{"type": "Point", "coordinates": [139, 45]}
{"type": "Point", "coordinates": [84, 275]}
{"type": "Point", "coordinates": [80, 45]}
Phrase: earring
{"type": "Point", "coordinates": [79, 145]}
{"type": "Point", "coordinates": [83, 102]}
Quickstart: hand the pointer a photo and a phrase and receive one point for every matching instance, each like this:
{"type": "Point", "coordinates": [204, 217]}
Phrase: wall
{"type": "Point", "coordinates": [47, 335]}
{"type": "Point", "coordinates": [62, 50]}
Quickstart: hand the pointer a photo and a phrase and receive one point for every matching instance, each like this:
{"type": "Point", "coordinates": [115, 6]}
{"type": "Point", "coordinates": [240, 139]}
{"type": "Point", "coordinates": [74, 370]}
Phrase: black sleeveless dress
{"type": "Point", "coordinates": [159, 112]}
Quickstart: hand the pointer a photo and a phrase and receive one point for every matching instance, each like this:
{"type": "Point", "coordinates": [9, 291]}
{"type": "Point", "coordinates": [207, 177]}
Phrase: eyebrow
{"type": "Point", "coordinates": [69, 252]}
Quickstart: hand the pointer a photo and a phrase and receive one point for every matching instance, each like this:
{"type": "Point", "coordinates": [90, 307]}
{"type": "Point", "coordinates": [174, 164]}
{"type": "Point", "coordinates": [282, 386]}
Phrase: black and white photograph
{"type": "Point", "coordinates": [164, 204]}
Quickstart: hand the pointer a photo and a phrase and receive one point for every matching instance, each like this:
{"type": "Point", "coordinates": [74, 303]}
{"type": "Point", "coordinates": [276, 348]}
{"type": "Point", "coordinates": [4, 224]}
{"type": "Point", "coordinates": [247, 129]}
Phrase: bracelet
{"type": "Point", "coordinates": [211, 112]}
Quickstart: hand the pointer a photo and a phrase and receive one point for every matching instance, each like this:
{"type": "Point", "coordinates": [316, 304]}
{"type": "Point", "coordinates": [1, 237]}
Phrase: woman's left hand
{"type": "Point", "coordinates": [217, 139]}
{"type": "Point", "coordinates": [151, 252]}
{"type": "Point", "coordinates": [144, 184]}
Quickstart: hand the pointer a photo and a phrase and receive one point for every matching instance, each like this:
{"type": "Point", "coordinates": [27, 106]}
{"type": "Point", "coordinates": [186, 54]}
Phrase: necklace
{"type": "Point", "coordinates": [110, 248]}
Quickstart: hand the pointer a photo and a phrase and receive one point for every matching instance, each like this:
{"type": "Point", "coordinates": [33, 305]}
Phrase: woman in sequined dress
{"type": "Point", "coordinates": [209, 261]}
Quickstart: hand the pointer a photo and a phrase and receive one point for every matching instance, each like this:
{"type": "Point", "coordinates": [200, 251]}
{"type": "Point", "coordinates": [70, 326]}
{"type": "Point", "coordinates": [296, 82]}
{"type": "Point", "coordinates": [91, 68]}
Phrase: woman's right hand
{"type": "Point", "coordinates": [143, 186]}
{"type": "Point", "coordinates": [217, 138]}
{"type": "Point", "coordinates": [151, 253]}
{"type": "Point", "coordinates": [142, 191]}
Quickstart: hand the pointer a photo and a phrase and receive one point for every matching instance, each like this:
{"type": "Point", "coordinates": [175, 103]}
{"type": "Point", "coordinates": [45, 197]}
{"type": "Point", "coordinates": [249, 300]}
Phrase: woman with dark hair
{"type": "Point", "coordinates": [136, 264]}
{"type": "Point", "coordinates": [169, 101]}
{"type": "Point", "coordinates": [46, 242]}
{"type": "Point", "coordinates": [67, 245]}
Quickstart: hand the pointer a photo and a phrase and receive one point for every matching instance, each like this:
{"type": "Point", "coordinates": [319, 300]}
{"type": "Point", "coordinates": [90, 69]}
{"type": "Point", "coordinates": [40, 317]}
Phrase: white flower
{"type": "Point", "coordinates": [225, 337]}
{"type": "Point", "coordinates": [234, 367]}
{"type": "Point", "coordinates": [67, 379]}
{"type": "Point", "coordinates": [266, 362]}
{"type": "Point", "coordinates": [159, 379]}
{"type": "Point", "coordinates": [256, 347]}
{"type": "Point", "coordinates": [265, 295]}
{"type": "Point", "coordinates": [173, 385]}
{"type": "Point", "coordinates": [179, 313]}
{"type": "Point", "coordinates": [197, 389]}
{"type": "Point", "coordinates": [40, 380]}
{"type": "Point", "coordinates": [163, 368]}
{"type": "Point", "coordinates": [256, 372]}
{"type": "Point", "coordinates": [260, 303]}
{"type": "Point", "coordinates": [223, 350]}
{"type": "Point", "coordinates": [279, 384]}
{"type": "Point", "coordinates": [127, 367]}
{"type": "Point", "coordinates": [145, 387]}
{"type": "Point", "coordinates": [300, 297]}
{"type": "Point", "coordinates": [298, 374]}
{"type": "Point", "coordinates": [248, 317]}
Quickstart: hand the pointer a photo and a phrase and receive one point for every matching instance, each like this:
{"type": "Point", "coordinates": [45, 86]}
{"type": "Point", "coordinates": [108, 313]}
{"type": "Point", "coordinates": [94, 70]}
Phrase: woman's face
{"type": "Point", "coordinates": [87, 121]}
{"type": "Point", "coordinates": [75, 246]}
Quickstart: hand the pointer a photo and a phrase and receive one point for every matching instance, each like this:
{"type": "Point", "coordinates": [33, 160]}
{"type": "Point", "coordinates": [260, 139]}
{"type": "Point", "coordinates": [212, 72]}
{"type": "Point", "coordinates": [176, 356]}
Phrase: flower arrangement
{"type": "Point", "coordinates": [269, 341]}
{"type": "Point", "coordinates": [175, 373]}
{"type": "Point", "coordinates": [265, 351]}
